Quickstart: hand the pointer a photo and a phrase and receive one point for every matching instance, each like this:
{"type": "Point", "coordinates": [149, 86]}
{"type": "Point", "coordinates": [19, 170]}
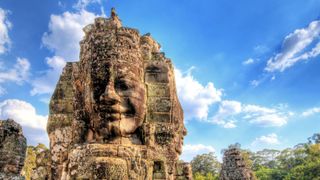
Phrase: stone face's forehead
{"type": "Point", "coordinates": [130, 72]}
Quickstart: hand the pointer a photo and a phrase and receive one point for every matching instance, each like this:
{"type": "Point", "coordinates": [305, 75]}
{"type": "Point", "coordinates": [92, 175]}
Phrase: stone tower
{"type": "Point", "coordinates": [234, 166]}
{"type": "Point", "coordinates": [13, 147]}
{"type": "Point", "coordinates": [115, 114]}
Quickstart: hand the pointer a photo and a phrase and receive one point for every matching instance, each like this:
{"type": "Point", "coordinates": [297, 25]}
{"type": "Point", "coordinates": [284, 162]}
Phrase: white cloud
{"type": "Point", "coordinates": [45, 100]}
{"type": "Point", "coordinates": [230, 124]}
{"type": "Point", "coordinates": [270, 139]}
{"type": "Point", "coordinates": [266, 117]}
{"type": "Point", "coordinates": [36, 136]}
{"type": "Point", "coordinates": [19, 73]}
{"type": "Point", "coordinates": [225, 115]}
{"type": "Point", "coordinates": [194, 97]}
{"type": "Point", "coordinates": [255, 83]}
{"type": "Point", "coordinates": [311, 111]}
{"type": "Point", "coordinates": [23, 113]}
{"type": "Point", "coordinates": [248, 61]}
{"type": "Point", "coordinates": [65, 33]}
{"type": "Point", "coordinates": [189, 151]}
{"type": "Point", "coordinates": [261, 49]}
{"type": "Point", "coordinates": [5, 25]}
{"type": "Point", "coordinates": [230, 112]}
{"type": "Point", "coordinates": [2, 91]}
{"type": "Point", "coordinates": [294, 48]}
{"type": "Point", "coordinates": [82, 4]}
{"type": "Point", "coordinates": [46, 82]}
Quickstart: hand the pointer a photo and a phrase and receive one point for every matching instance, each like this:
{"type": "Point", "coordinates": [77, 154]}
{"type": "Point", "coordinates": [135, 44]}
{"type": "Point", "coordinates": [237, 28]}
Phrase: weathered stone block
{"type": "Point", "coordinates": [158, 117]}
{"type": "Point", "coordinates": [158, 90]}
{"type": "Point", "coordinates": [13, 147]}
{"type": "Point", "coordinates": [159, 104]}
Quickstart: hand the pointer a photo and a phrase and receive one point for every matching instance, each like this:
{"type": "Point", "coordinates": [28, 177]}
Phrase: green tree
{"type": "Point", "coordinates": [265, 158]}
{"type": "Point", "coordinates": [29, 163]}
{"type": "Point", "coordinates": [31, 157]}
{"type": "Point", "coordinates": [301, 162]}
{"type": "Point", "coordinates": [247, 157]}
{"type": "Point", "coordinates": [307, 171]}
{"type": "Point", "coordinates": [205, 165]}
{"type": "Point", "coordinates": [208, 176]}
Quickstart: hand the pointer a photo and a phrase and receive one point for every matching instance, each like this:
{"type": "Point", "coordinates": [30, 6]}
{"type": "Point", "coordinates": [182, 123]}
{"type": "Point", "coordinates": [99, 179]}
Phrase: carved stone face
{"type": "Point", "coordinates": [122, 104]}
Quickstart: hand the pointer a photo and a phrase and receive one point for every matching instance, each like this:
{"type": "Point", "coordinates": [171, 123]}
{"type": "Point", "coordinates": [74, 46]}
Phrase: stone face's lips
{"type": "Point", "coordinates": [113, 116]}
{"type": "Point", "coordinates": [115, 112]}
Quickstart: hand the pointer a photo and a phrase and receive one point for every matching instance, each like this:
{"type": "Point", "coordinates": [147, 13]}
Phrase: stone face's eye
{"type": "Point", "coordinates": [121, 85]}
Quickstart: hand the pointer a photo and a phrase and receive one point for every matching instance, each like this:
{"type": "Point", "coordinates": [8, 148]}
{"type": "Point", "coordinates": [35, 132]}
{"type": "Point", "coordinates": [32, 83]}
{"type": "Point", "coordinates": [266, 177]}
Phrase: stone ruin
{"type": "Point", "coordinates": [37, 163]}
{"type": "Point", "coordinates": [115, 114]}
{"type": "Point", "coordinates": [234, 166]}
{"type": "Point", "coordinates": [12, 150]}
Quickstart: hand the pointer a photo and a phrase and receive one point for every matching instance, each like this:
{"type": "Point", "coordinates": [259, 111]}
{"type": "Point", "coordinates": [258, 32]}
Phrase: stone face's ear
{"type": "Point", "coordinates": [156, 72]}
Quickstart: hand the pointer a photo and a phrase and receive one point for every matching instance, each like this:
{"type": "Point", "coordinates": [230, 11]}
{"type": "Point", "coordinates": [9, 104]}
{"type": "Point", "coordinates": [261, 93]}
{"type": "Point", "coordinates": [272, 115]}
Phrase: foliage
{"type": "Point", "coordinates": [30, 161]}
{"type": "Point", "coordinates": [246, 155]}
{"type": "Point", "coordinates": [205, 166]}
{"type": "Point", "coordinates": [302, 162]}
{"type": "Point", "coordinates": [208, 176]}
{"type": "Point", "coordinates": [265, 173]}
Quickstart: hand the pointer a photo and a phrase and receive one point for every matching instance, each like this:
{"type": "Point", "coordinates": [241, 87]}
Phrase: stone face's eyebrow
{"type": "Point", "coordinates": [127, 76]}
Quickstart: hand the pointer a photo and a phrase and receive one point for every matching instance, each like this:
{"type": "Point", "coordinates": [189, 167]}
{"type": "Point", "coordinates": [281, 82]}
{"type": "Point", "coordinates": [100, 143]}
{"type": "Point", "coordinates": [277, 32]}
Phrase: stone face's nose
{"type": "Point", "coordinates": [110, 96]}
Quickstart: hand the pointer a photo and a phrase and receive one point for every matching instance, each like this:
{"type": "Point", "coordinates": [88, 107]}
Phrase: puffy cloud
{"type": "Point", "coordinates": [65, 33]}
{"type": "Point", "coordinates": [230, 112]}
{"type": "Point", "coordinates": [22, 112]}
{"type": "Point", "coordinates": [5, 25]}
{"type": "Point", "coordinates": [311, 111]}
{"type": "Point", "coordinates": [194, 97]}
{"type": "Point", "coordinates": [248, 61]}
{"type": "Point", "coordinates": [19, 72]}
{"type": "Point", "coordinates": [266, 117]}
{"type": "Point", "coordinates": [46, 82]}
{"type": "Point", "coordinates": [294, 48]}
{"type": "Point", "coordinates": [189, 151]}
{"type": "Point", "coordinates": [261, 49]}
{"type": "Point", "coordinates": [270, 139]}
{"type": "Point", "coordinates": [82, 4]}
{"type": "Point", "coordinates": [2, 91]}
{"type": "Point", "coordinates": [255, 83]}
{"type": "Point", "coordinates": [225, 115]}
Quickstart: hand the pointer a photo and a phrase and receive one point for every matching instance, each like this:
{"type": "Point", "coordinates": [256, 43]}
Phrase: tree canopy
{"type": "Point", "coordinates": [302, 162]}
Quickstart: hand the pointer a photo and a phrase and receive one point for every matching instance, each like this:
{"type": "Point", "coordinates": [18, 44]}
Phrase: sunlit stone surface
{"type": "Point", "coordinates": [115, 114]}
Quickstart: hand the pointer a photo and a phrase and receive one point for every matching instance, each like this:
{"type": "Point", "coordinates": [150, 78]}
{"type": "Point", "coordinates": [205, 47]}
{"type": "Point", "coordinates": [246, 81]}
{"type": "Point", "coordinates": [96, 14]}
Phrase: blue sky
{"type": "Point", "coordinates": [247, 71]}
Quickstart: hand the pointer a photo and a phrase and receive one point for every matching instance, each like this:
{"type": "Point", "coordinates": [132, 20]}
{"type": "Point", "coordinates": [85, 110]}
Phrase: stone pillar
{"type": "Point", "coordinates": [12, 149]}
{"type": "Point", "coordinates": [234, 166]}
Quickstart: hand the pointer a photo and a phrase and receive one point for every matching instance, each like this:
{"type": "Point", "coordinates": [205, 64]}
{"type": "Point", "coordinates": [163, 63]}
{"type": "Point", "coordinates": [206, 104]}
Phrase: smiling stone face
{"type": "Point", "coordinates": [110, 90]}
{"type": "Point", "coordinates": [115, 113]}
{"type": "Point", "coordinates": [122, 104]}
